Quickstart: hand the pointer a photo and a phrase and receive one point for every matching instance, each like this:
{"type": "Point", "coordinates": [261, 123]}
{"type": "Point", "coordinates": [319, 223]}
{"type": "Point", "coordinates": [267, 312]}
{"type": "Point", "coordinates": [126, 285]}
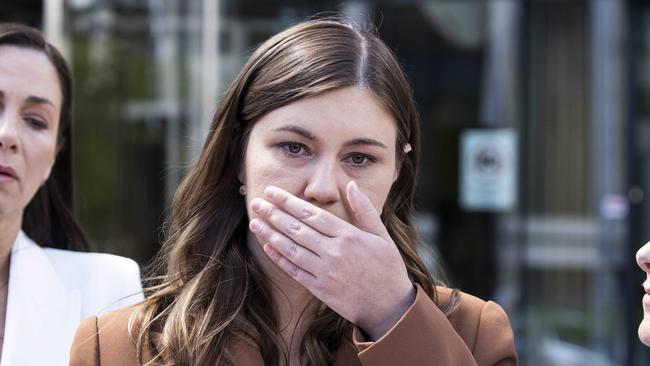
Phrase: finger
{"type": "Point", "coordinates": [368, 219]}
{"type": "Point", "coordinates": [317, 218]}
{"type": "Point", "coordinates": [297, 254]}
{"type": "Point", "coordinates": [293, 270]}
{"type": "Point", "coordinates": [288, 225]}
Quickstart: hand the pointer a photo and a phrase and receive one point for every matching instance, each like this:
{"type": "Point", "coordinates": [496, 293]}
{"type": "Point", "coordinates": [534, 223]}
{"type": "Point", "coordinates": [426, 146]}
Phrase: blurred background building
{"type": "Point", "coordinates": [536, 131]}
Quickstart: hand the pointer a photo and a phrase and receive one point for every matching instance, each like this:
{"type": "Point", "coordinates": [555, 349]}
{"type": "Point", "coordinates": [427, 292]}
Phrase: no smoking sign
{"type": "Point", "coordinates": [488, 171]}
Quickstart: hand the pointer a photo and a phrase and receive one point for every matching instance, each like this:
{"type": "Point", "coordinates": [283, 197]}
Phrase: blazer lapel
{"type": "Point", "coordinates": [42, 315]}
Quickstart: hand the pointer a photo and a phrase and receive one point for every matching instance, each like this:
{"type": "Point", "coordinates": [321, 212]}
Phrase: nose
{"type": "Point", "coordinates": [643, 257]}
{"type": "Point", "coordinates": [323, 186]}
{"type": "Point", "coordinates": [8, 133]}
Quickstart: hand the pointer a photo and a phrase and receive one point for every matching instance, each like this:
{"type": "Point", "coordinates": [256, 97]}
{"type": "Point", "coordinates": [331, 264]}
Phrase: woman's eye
{"type": "Point", "coordinates": [36, 123]}
{"type": "Point", "coordinates": [358, 159]}
{"type": "Point", "coordinates": [294, 149]}
{"type": "Point", "coordinates": [362, 160]}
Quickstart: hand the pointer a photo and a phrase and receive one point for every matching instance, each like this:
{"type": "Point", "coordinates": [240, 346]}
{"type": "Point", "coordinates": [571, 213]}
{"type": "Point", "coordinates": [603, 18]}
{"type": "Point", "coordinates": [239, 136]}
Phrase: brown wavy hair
{"type": "Point", "coordinates": [208, 291]}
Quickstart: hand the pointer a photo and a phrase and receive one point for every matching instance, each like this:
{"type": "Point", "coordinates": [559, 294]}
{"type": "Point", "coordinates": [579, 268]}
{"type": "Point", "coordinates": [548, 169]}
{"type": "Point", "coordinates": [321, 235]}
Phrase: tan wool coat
{"type": "Point", "coordinates": [477, 333]}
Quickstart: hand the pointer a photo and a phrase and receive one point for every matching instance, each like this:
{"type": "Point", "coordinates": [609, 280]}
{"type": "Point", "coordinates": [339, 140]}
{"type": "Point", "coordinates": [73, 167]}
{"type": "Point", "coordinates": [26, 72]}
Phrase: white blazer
{"type": "Point", "coordinates": [51, 291]}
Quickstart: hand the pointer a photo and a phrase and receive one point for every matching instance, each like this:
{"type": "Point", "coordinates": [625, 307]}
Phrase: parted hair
{"type": "Point", "coordinates": [48, 219]}
{"type": "Point", "coordinates": [207, 291]}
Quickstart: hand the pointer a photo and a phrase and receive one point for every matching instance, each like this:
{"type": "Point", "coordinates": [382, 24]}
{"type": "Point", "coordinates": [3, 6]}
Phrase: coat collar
{"type": "Point", "coordinates": [246, 354]}
{"type": "Point", "coordinates": [42, 314]}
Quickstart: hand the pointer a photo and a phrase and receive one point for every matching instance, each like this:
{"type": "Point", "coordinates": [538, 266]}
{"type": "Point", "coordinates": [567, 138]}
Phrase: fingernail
{"type": "Point", "coordinates": [256, 205]}
{"type": "Point", "coordinates": [354, 186]}
{"type": "Point", "coordinates": [255, 225]}
{"type": "Point", "coordinates": [267, 248]}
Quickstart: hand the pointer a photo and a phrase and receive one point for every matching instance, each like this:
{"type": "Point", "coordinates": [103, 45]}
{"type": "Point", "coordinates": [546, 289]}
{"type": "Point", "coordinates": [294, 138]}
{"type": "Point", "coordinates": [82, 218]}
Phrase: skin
{"type": "Point", "coordinates": [643, 260]}
{"type": "Point", "coordinates": [30, 105]}
{"type": "Point", "coordinates": [317, 173]}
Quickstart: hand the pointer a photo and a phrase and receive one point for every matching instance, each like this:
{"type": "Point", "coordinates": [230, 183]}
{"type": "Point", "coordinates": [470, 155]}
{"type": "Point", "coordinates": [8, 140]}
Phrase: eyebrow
{"type": "Point", "coordinates": [297, 130]}
{"type": "Point", "coordinates": [32, 99]}
{"type": "Point", "coordinates": [308, 135]}
{"type": "Point", "coordinates": [38, 100]}
{"type": "Point", "coordinates": [366, 141]}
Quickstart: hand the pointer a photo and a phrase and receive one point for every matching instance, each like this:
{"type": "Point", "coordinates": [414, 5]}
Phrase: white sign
{"type": "Point", "coordinates": [488, 171]}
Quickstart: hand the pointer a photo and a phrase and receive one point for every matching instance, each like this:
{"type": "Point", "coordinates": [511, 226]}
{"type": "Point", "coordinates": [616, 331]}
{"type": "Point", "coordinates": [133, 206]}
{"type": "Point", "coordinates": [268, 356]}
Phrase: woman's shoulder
{"type": "Point", "coordinates": [91, 260]}
{"type": "Point", "coordinates": [480, 323]}
{"type": "Point", "coordinates": [108, 333]}
{"type": "Point", "coordinates": [468, 304]}
{"type": "Point", "coordinates": [94, 266]}
{"type": "Point", "coordinates": [78, 263]}
{"type": "Point", "coordinates": [470, 310]}
{"type": "Point", "coordinates": [476, 332]}
{"type": "Point", "coordinates": [96, 282]}
{"type": "Point", "coordinates": [104, 281]}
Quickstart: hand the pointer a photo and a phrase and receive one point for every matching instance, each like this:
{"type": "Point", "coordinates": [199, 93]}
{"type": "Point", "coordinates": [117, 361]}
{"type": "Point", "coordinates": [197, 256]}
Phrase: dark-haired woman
{"type": "Point", "coordinates": [291, 241]}
{"type": "Point", "coordinates": [44, 292]}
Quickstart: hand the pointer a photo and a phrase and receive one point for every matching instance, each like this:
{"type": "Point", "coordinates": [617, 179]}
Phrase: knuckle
{"type": "Point", "coordinates": [336, 257]}
{"type": "Point", "coordinates": [269, 210]}
{"type": "Point", "coordinates": [349, 238]}
{"type": "Point", "coordinates": [340, 258]}
{"type": "Point", "coordinates": [334, 253]}
{"type": "Point", "coordinates": [322, 220]}
{"type": "Point", "coordinates": [295, 227]}
{"type": "Point", "coordinates": [265, 234]}
{"type": "Point", "coordinates": [318, 287]}
{"type": "Point", "coordinates": [282, 198]}
{"type": "Point", "coordinates": [275, 256]}
{"type": "Point", "coordinates": [330, 277]}
{"type": "Point", "coordinates": [308, 213]}
{"type": "Point", "coordinates": [293, 270]}
{"type": "Point", "coordinates": [293, 251]}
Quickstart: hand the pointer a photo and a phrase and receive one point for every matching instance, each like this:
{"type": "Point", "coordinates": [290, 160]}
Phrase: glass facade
{"type": "Point", "coordinates": [569, 79]}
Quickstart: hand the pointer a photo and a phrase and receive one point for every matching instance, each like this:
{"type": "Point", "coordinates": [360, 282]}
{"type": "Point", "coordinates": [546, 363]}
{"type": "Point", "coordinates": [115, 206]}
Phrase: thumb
{"type": "Point", "coordinates": [368, 219]}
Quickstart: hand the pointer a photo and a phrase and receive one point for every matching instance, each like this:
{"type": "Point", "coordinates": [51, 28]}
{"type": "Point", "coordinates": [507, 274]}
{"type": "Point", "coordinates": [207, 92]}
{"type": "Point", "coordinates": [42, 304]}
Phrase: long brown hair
{"type": "Point", "coordinates": [48, 218]}
{"type": "Point", "coordinates": [209, 292]}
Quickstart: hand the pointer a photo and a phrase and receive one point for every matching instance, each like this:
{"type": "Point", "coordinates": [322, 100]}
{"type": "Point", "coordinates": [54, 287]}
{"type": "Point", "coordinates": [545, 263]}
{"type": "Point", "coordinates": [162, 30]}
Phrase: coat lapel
{"type": "Point", "coordinates": [246, 354]}
{"type": "Point", "coordinates": [42, 315]}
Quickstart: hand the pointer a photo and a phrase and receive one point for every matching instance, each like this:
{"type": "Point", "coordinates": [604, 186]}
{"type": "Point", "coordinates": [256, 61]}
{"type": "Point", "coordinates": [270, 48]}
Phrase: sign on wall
{"type": "Point", "coordinates": [488, 171]}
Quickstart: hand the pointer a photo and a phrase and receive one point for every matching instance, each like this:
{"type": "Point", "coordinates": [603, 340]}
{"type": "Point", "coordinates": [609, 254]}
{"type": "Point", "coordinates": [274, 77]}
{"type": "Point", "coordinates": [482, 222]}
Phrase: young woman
{"type": "Point", "coordinates": [290, 240]}
{"type": "Point", "coordinates": [44, 292]}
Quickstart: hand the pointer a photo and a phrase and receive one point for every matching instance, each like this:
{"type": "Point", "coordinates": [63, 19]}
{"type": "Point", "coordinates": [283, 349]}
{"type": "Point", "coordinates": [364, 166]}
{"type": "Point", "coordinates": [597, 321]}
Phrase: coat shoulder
{"type": "Point", "coordinates": [477, 333]}
{"type": "Point", "coordinates": [480, 323]}
{"type": "Point", "coordinates": [469, 306]}
{"type": "Point", "coordinates": [105, 340]}
{"type": "Point", "coordinates": [88, 263]}
{"type": "Point", "coordinates": [106, 282]}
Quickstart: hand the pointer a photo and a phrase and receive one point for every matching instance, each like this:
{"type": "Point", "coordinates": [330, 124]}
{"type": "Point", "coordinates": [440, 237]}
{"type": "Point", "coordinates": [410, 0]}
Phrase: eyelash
{"type": "Point", "coordinates": [285, 146]}
{"type": "Point", "coordinates": [368, 159]}
{"type": "Point", "coordinates": [36, 123]}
